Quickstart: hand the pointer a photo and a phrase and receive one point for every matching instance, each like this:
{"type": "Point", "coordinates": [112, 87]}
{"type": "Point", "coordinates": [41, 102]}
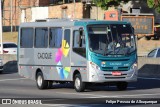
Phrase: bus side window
{"type": "Point", "coordinates": [76, 41]}
{"type": "Point", "coordinates": [67, 36]}
{"type": "Point", "coordinates": [55, 38]}
{"type": "Point", "coordinates": [26, 40]}
{"type": "Point", "coordinates": [41, 37]}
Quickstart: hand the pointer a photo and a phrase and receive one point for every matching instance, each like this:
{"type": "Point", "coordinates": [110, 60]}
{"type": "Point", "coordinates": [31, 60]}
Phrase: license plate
{"type": "Point", "coordinates": [116, 73]}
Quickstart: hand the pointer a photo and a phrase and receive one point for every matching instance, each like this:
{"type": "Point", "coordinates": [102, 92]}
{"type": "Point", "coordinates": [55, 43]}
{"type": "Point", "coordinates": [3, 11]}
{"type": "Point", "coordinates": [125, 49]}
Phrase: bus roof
{"type": "Point", "coordinates": [82, 23]}
{"type": "Point", "coordinates": [68, 23]}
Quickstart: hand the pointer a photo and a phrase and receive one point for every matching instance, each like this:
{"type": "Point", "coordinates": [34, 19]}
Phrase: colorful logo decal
{"type": "Point", "coordinates": [64, 50]}
{"type": "Point", "coordinates": [58, 55]}
{"type": "Point", "coordinates": [59, 67]}
{"type": "Point", "coordinates": [66, 71]}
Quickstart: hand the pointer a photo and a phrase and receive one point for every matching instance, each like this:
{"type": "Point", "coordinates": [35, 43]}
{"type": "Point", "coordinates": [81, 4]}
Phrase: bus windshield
{"type": "Point", "coordinates": [113, 39]}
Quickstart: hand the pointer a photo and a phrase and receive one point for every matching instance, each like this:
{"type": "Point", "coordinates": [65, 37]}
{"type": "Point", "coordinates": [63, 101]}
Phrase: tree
{"type": "Point", "coordinates": [104, 4]}
{"type": "Point", "coordinates": [155, 4]}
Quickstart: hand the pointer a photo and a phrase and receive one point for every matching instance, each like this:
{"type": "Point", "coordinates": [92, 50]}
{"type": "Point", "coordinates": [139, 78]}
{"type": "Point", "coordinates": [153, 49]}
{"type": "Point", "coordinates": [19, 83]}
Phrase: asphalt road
{"type": "Point", "coordinates": [14, 86]}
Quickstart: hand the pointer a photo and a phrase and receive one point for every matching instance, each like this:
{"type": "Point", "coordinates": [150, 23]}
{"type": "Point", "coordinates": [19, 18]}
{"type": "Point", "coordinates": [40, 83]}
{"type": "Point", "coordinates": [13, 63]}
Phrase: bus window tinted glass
{"type": "Point", "coordinates": [55, 38]}
{"type": "Point", "coordinates": [41, 37]}
{"type": "Point", "coordinates": [67, 36]}
{"type": "Point", "coordinates": [77, 48]}
{"type": "Point", "coordinates": [26, 40]}
{"type": "Point", "coordinates": [76, 41]}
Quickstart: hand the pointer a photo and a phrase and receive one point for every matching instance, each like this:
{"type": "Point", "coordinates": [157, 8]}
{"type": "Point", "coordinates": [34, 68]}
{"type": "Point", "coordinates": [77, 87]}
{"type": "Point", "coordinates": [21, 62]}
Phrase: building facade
{"type": "Point", "coordinates": [17, 11]}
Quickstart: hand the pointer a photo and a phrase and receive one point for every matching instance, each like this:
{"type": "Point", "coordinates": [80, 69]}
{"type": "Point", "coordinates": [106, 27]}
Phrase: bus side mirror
{"type": "Point", "coordinates": [81, 36]}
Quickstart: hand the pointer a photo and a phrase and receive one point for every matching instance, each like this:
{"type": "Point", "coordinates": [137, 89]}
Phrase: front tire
{"type": "Point", "coordinates": [122, 86]}
{"type": "Point", "coordinates": [79, 86]}
{"type": "Point", "coordinates": [41, 83]}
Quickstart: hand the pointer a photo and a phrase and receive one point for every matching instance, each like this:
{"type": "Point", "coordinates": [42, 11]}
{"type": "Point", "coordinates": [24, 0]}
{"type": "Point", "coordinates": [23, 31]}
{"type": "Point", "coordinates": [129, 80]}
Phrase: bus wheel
{"type": "Point", "coordinates": [41, 83]}
{"type": "Point", "coordinates": [122, 85]}
{"type": "Point", "coordinates": [79, 86]}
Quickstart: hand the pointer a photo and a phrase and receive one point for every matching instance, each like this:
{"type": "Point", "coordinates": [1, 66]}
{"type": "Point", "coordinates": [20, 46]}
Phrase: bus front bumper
{"type": "Point", "coordinates": [98, 76]}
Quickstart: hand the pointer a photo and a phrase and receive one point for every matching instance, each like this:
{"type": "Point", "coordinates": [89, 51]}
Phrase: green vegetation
{"type": "Point", "coordinates": [155, 4]}
{"type": "Point", "coordinates": [104, 4]}
{"type": "Point", "coordinates": [10, 37]}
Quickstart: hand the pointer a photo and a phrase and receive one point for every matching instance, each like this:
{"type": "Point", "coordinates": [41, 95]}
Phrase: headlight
{"type": "Point", "coordinates": [93, 65]}
{"type": "Point", "coordinates": [135, 65]}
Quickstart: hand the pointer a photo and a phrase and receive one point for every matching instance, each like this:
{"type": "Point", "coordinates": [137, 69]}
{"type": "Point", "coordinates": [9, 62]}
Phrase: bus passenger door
{"type": "Point", "coordinates": [66, 48]}
{"type": "Point", "coordinates": [78, 53]}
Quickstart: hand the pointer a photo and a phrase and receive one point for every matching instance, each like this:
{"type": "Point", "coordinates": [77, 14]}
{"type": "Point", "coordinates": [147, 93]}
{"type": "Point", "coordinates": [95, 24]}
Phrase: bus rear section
{"type": "Point", "coordinates": [81, 52]}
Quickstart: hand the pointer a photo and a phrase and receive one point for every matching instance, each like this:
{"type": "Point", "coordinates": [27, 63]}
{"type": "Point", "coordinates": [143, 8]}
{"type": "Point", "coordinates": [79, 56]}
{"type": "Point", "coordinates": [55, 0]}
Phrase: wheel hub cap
{"type": "Point", "coordinates": [39, 80]}
{"type": "Point", "coordinates": [77, 83]}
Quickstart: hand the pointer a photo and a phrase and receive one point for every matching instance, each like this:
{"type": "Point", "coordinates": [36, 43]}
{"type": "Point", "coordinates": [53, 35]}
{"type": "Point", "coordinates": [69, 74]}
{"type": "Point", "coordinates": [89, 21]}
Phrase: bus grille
{"type": "Point", "coordinates": [114, 59]}
{"type": "Point", "coordinates": [112, 69]}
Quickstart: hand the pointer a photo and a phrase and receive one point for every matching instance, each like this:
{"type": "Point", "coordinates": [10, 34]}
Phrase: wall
{"type": "Point", "coordinates": [97, 13]}
{"type": "Point", "coordinates": [28, 16]}
{"type": "Point", "coordinates": [28, 3]}
{"type": "Point", "coordinates": [52, 12]}
{"type": "Point", "coordinates": [18, 6]}
{"type": "Point", "coordinates": [56, 11]}
{"type": "Point", "coordinates": [7, 13]}
{"type": "Point", "coordinates": [25, 11]}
